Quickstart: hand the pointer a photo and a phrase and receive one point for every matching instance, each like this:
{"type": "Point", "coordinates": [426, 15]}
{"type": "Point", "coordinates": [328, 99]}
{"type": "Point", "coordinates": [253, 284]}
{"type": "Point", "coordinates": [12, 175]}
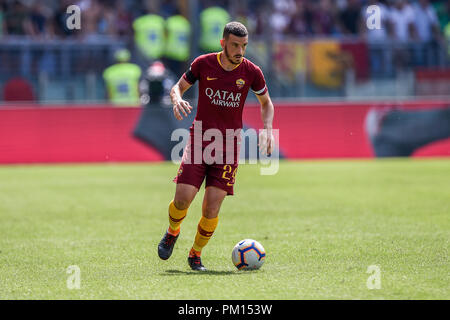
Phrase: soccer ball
{"type": "Point", "coordinates": [248, 254]}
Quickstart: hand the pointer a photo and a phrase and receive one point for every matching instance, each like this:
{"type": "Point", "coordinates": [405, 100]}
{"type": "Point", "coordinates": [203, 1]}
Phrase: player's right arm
{"type": "Point", "coordinates": [180, 106]}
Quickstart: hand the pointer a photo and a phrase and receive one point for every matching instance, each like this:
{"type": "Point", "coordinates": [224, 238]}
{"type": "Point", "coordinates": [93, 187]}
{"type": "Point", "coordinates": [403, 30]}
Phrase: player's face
{"type": "Point", "coordinates": [234, 48]}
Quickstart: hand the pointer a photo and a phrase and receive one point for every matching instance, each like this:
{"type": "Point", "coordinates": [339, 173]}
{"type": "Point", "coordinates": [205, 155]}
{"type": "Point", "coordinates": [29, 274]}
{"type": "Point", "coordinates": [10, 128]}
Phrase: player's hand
{"type": "Point", "coordinates": [181, 107]}
{"type": "Point", "coordinates": [266, 141]}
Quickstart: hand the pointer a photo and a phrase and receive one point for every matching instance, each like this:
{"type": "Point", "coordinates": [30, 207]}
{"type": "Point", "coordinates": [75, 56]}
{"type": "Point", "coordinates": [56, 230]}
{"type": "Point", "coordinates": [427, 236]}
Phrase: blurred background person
{"type": "Point", "coordinates": [300, 24]}
{"type": "Point", "coordinates": [156, 122]}
{"type": "Point", "coordinates": [2, 17]}
{"type": "Point", "coordinates": [150, 37]}
{"type": "Point", "coordinates": [427, 27]}
{"type": "Point", "coordinates": [403, 32]}
{"type": "Point", "coordinates": [17, 19]}
{"type": "Point", "coordinates": [177, 49]}
{"type": "Point", "coordinates": [325, 18]}
{"type": "Point", "coordinates": [281, 18]}
{"type": "Point", "coordinates": [212, 21]}
{"type": "Point", "coordinates": [40, 16]}
{"type": "Point", "coordinates": [350, 18]}
{"type": "Point", "coordinates": [155, 85]}
{"type": "Point", "coordinates": [122, 80]}
{"type": "Point", "coordinates": [381, 55]}
{"type": "Point", "coordinates": [402, 20]}
{"type": "Point", "coordinates": [124, 20]}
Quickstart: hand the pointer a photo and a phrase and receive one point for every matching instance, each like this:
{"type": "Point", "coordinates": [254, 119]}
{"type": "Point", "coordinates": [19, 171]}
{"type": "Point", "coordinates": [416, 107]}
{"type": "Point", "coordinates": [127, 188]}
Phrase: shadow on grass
{"type": "Point", "coordinates": [208, 272]}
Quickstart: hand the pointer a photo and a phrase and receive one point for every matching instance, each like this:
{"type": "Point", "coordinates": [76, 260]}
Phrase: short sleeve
{"type": "Point", "coordinates": [259, 83]}
{"type": "Point", "coordinates": [193, 73]}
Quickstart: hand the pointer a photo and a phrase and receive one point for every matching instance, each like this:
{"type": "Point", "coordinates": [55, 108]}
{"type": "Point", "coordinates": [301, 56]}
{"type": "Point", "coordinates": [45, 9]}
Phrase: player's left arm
{"type": "Point", "coordinates": [267, 113]}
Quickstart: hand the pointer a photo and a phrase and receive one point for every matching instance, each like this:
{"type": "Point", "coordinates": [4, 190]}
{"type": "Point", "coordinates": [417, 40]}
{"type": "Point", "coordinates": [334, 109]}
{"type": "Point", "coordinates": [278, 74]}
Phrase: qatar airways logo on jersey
{"type": "Point", "coordinates": [223, 98]}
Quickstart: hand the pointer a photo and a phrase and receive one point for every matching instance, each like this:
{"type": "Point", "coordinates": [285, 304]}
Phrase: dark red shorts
{"type": "Point", "coordinates": [221, 175]}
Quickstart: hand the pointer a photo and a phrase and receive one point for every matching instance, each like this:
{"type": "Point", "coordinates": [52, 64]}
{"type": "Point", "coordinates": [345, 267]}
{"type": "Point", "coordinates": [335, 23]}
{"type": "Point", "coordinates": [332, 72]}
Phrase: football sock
{"type": "Point", "coordinates": [176, 216]}
{"type": "Point", "coordinates": [205, 231]}
{"type": "Point", "coordinates": [193, 253]}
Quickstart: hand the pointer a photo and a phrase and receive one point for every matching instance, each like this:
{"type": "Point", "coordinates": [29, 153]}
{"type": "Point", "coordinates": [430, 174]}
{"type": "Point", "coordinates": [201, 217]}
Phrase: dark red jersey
{"type": "Point", "coordinates": [222, 93]}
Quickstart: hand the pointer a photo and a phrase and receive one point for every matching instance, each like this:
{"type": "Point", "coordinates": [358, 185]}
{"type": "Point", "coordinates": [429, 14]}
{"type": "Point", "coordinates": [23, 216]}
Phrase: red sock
{"type": "Point", "coordinates": [193, 253]}
{"type": "Point", "coordinates": [173, 232]}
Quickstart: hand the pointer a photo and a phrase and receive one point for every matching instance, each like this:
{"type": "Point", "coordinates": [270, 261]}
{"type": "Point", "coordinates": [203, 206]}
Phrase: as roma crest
{"type": "Point", "coordinates": [240, 83]}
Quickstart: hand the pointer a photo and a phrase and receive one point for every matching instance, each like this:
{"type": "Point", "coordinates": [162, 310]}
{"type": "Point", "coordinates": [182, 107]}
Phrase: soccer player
{"type": "Point", "coordinates": [224, 81]}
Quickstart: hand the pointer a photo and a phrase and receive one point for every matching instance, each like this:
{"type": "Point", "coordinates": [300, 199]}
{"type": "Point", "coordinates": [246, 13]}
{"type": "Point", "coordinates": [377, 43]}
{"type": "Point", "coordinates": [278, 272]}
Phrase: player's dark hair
{"type": "Point", "coordinates": [235, 28]}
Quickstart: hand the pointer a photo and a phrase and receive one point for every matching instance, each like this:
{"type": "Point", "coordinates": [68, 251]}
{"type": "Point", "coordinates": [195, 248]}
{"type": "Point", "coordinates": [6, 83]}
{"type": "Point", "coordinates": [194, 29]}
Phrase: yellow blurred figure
{"type": "Point", "coordinates": [122, 80]}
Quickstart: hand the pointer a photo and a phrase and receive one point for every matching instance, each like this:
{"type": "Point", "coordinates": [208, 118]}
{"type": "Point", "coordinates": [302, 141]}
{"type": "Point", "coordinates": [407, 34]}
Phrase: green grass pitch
{"type": "Point", "coordinates": [322, 223]}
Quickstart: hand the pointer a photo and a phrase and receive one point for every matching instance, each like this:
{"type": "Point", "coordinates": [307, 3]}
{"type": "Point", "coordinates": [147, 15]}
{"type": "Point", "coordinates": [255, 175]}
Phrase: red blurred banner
{"type": "Point", "coordinates": [67, 134]}
{"type": "Point", "coordinates": [71, 134]}
{"type": "Point", "coordinates": [334, 129]}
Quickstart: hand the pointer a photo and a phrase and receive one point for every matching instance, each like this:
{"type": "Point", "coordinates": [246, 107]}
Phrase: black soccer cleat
{"type": "Point", "coordinates": [165, 246]}
{"type": "Point", "coordinates": [196, 263]}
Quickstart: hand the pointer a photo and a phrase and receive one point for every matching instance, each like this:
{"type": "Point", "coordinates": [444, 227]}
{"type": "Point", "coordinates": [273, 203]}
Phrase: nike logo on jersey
{"type": "Point", "coordinates": [209, 79]}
